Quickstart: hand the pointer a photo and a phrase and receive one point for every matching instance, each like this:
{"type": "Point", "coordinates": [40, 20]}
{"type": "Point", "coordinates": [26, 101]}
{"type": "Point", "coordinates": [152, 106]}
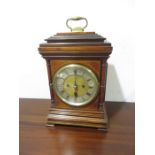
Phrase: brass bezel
{"type": "Point", "coordinates": [78, 66]}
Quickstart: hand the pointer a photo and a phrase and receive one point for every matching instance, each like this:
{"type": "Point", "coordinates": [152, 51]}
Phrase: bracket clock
{"type": "Point", "coordinates": [77, 66]}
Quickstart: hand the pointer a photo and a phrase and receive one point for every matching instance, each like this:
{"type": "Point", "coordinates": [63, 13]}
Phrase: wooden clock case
{"type": "Point", "coordinates": [90, 50]}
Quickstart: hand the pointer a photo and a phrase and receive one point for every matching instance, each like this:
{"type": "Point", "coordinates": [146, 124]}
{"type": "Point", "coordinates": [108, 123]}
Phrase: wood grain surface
{"type": "Point", "coordinates": [91, 49]}
{"type": "Point", "coordinates": [37, 139]}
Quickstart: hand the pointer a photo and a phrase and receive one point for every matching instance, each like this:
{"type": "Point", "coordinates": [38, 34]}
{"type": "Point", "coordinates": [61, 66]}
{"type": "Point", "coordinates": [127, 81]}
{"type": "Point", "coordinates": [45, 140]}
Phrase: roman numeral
{"type": "Point", "coordinates": [75, 71]}
{"type": "Point", "coordinates": [88, 94]}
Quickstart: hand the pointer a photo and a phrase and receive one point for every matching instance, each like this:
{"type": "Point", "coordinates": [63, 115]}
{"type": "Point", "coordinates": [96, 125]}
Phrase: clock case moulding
{"type": "Point", "coordinates": [85, 48]}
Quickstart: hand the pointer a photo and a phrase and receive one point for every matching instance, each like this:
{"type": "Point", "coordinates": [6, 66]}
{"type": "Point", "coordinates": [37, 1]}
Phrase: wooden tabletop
{"type": "Point", "coordinates": [37, 139]}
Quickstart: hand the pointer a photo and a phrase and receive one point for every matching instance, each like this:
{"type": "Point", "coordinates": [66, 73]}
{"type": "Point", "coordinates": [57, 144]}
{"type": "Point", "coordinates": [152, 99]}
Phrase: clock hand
{"type": "Point", "coordinates": [75, 85]}
{"type": "Point", "coordinates": [75, 94]}
{"type": "Point", "coordinates": [75, 89]}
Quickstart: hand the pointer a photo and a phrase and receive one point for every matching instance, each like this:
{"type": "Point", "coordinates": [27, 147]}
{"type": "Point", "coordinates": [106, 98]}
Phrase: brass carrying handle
{"type": "Point", "coordinates": [76, 29]}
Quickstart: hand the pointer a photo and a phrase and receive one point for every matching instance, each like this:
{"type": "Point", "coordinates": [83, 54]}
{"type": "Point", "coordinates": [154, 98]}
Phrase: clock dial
{"type": "Point", "coordinates": [75, 84]}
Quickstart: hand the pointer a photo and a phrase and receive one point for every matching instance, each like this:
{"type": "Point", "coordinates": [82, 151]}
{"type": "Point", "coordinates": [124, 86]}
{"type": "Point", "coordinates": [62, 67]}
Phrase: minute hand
{"type": "Point", "coordinates": [75, 88]}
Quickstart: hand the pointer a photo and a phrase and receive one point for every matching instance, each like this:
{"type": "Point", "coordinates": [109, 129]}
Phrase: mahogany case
{"type": "Point", "coordinates": [86, 48]}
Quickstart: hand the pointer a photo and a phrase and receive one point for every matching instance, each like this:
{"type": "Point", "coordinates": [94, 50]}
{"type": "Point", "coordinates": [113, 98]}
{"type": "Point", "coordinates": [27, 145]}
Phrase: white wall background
{"type": "Point", "coordinates": [39, 19]}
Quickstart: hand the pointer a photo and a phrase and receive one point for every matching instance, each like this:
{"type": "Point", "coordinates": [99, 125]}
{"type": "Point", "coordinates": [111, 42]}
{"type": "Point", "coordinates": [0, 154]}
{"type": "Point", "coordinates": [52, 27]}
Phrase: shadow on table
{"type": "Point", "coordinates": [113, 92]}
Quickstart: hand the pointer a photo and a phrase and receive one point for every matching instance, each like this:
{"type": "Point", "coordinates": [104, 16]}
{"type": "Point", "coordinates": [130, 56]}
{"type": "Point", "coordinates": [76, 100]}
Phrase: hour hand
{"type": "Point", "coordinates": [75, 94]}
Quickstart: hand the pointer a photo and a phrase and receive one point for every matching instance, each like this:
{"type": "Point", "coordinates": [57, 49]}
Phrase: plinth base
{"type": "Point", "coordinates": [95, 119]}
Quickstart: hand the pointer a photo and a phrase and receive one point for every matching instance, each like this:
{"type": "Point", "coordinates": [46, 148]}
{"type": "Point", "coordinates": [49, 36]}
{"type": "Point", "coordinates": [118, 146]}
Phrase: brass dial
{"type": "Point", "coordinates": [75, 84]}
